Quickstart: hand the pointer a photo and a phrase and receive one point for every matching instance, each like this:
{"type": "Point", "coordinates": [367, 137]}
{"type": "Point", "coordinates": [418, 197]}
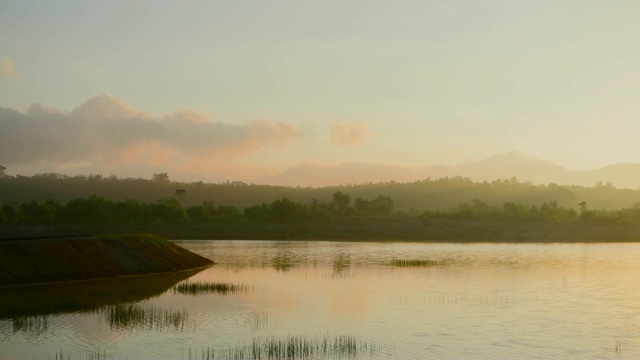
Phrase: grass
{"type": "Point", "coordinates": [283, 262]}
{"type": "Point", "coordinates": [258, 321]}
{"type": "Point", "coordinates": [30, 324]}
{"type": "Point", "coordinates": [94, 354]}
{"type": "Point", "coordinates": [199, 288]}
{"type": "Point", "coordinates": [418, 263]}
{"type": "Point", "coordinates": [295, 347]}
{"type": "Point", "coordinates": [143, 316]}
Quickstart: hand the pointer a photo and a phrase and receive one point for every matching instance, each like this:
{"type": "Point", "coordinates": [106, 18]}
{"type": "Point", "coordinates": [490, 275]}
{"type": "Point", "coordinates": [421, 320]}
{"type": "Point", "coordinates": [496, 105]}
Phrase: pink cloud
{"type": "Point", "coordinates": [7, 69]}
{"type": "Point", "coordinates": [349, 133]}
{"type": "Point", "coordinates": [106, 131]}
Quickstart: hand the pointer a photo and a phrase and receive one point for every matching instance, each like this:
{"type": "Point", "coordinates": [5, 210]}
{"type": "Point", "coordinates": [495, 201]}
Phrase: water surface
{"type": "Point", "coordinates": [447, 301]}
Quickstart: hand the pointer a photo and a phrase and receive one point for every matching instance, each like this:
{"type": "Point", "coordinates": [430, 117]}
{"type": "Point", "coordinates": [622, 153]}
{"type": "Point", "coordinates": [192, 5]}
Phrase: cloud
{"type": "Point", "coordinates": [349, 133]}
{"type": "Point", "coordinates": [7, 69]}
{"type": "Point", "coordinates": [106, 132]}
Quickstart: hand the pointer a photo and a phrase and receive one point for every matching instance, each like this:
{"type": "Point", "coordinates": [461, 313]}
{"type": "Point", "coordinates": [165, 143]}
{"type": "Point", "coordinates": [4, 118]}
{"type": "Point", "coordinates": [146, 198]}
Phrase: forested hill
{"type": "Point", "coordinates": [428, 194]}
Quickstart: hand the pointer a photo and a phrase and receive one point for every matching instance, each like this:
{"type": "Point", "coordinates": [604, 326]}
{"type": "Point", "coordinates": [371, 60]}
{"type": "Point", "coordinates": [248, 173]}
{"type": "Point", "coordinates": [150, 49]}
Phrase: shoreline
{"type": "Point", "coordinates": [403, 230]}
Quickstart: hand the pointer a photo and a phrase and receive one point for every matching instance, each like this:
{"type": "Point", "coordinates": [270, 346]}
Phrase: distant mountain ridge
{"type": "Point", "coordinates": [503, 166]}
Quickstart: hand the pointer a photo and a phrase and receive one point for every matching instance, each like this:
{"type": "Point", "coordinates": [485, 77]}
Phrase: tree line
{"type": "Point", "coordinates": [432, 193]}
{"type": "Point", "coordinates": [100, 210]}
{"type": "Point", "coordinates": [96, 209]}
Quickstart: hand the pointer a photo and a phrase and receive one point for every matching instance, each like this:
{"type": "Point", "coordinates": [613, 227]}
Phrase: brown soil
{"type": "Point", "coordinates": [49, 260]}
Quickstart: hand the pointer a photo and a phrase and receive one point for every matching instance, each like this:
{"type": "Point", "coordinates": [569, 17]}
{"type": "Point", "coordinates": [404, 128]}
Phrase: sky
{"type": "Point", "coordinates": [248, 89]}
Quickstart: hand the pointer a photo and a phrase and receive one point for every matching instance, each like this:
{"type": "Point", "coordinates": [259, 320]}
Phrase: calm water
{"type": "Point", "coordinates": [469, 301]}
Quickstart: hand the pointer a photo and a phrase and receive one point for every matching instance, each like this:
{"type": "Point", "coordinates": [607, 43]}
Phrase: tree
{"type": "Point", "coordinates": [285, 210]}
{"type": "Point", "coordinates": [180, 193]}
{"type": "Point", "coordinates": [257, 213]}
{"type": "Point", "coordinates": [341, 201]}
{"type": "Point", "coordinates": [583, 207]}
{"type": "Point", "coordinates": [161, 177]}
{"type": "Point", "coordinates": [382, 205]}
{"type": "Point", "coordinates": [168, 211]}
{"type": "Point", "coordinates": [2, 169]}
{"type": "Point", "coordinates": [130, 211]}
{"type": "Point", "coordinates": [94, 209]}
{"type": "Point", "coordinates": [12, 213]}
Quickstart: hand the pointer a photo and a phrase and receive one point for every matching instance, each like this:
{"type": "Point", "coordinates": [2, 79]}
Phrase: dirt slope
{"type": "Point", "coordinates": [47, 260]}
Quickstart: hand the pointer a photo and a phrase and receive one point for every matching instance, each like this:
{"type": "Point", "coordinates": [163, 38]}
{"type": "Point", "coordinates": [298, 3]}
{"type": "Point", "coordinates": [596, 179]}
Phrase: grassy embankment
{"type": "Point", "coordinates": [107, 256]}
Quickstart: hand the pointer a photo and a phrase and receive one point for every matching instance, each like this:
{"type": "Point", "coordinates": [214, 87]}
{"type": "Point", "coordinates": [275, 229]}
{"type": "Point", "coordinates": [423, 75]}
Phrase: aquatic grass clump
{"type": "Point", "coordinates": [298, 347]}
{"type": "Point", "coordinates": [283, 262]}
{"type": "Point", "coordinates": [199, 288]}
{"type": "Point", "coordinates": [258, 321]}
{"type": "Point", "coordinates": [30, 324]}
{"type": "Point", "coordinates": [94, 354]}
{"type": "Point", "coordinates": [123, 316]}
{"type": "Point", "coordinates": [417, 263]}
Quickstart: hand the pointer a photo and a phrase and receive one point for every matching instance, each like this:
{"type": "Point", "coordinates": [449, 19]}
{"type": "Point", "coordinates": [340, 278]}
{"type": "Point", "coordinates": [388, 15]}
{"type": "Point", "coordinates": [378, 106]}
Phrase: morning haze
{"type": "Point", "coordinates": [218, 91]}
{"type": "Point", "coordinates": [285, 179]}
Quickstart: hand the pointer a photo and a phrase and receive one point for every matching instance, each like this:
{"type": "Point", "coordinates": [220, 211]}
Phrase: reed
{"type": "Point", "coordinates": [94, 354]}
{"type": "Point", "coordinates": [30, 324]}
{"type": "Point", "coordinates": [283, 262]}
{"type": "Point", "coordinates": [143, 316]}
{"type": "Point", "coordinates": [258, 321]}
{"type": "Point", "coordinates": [297, 347]}
{"type": "Point", "coordinates": [199, 288]}
{"type": "Point", "coordinates": [417, 263]}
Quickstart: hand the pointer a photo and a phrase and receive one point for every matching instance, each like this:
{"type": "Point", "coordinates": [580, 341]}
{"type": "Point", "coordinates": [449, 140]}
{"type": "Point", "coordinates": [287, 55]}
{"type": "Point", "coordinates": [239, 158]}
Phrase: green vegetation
{"type": "Point", "coordinates": [440, 209]}
{"type": "Point", "coordinates": [198, 288]}
{"type": "Point", "coordinates": [428, 194]}
{"type": "Point", "coordinates": [99, 210]}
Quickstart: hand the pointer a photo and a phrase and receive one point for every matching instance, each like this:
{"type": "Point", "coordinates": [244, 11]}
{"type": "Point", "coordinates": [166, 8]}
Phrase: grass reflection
{"type": "Point", "coordinates": [283, 261]}
{"type": "Point", "coordinates": [296, 347]}
{"type": "Point", "coordinates": [35, 325]}
{"type": "Point", "coordinates": [418, 263]}
{"type": "Point", "coordinates": [199, 288]}
{"type": "Point", "coordinates": [128, 316]}
{"type": "Point", "coordinates": [341, 263]}
{"type": "Point", "coordinates": [258, 321]}
{"type": "Point", "coordinates": [87, 355]}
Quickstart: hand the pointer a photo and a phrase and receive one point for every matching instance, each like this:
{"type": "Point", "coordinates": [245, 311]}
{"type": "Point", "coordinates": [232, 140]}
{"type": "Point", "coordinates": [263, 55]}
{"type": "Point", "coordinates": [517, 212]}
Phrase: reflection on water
{"type": "Point", "coordinates": [259, 320]}
{"type": "Point", "coordinates": [284, 261]}
{"type": "Point", "coordinates": [297, 347]}
{"type": "Point", "coordinates": [35, 325]}
{"type": "Point", "coordinates": [418, 263]}
{"type": "Point", "coordinates": [341, 263]}
{"type": "Point", "coordinates": [443, 301]}
{"type": "Point", "coordinates": [143, 316]}
{"type": "Point", "coordinates": [200, 288]}
{"type": "Point", "coordinates": [58, 298]}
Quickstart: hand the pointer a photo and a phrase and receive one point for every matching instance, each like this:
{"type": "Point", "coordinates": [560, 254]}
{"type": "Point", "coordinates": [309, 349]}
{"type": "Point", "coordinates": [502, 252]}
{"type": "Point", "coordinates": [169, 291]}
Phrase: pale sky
{"type": "Point", "coordinates": [246, 89]}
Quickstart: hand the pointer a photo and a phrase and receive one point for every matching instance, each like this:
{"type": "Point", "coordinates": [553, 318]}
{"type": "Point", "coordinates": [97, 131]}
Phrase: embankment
{"type": "Point", "coordinates": [67, 259]}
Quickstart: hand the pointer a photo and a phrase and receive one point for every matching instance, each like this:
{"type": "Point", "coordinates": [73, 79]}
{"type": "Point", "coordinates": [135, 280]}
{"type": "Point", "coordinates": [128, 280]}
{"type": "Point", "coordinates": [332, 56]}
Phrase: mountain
{"type": "Point", "coordinates": [510, 165]}
{"type": "Point", "coordinates": [503, 166]}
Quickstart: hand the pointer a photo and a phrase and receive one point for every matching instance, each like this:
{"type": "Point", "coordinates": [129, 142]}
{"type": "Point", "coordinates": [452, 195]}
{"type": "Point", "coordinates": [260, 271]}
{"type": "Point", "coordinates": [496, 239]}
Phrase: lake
{"type": "Point", "coordinates": [356, 300]}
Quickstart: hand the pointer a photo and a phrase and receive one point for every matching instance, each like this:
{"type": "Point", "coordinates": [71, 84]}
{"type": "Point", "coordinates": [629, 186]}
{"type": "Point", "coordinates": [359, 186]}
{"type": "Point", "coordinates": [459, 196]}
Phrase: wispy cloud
{"type": "Point", "coordinates": [105, 131]}
{"type": "Point", "coordinates": [349, 133]}
{"type": "Point", "coordinates": [7, 68]}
